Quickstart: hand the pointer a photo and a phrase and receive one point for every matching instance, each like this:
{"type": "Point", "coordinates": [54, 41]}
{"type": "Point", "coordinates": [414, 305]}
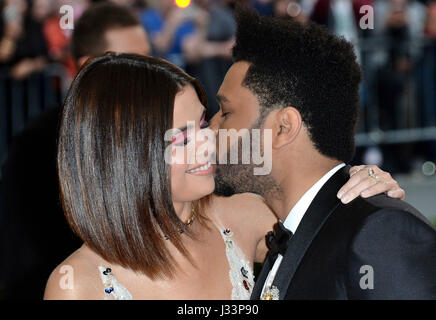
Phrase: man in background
{"type": "Point", "coordinates": [35, 236]}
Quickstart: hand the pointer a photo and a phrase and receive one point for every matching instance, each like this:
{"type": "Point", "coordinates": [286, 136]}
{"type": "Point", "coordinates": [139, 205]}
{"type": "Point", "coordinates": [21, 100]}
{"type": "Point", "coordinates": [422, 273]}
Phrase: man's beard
{"type": "Point", "coordinates": [237, 178]}
{"type": "Point", "coordinates": [232, 179]}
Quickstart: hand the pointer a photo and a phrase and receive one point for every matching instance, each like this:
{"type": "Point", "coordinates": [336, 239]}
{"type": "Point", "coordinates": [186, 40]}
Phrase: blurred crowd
{"type": "Point", "coordinates": [395, 47]}
{"type": "Point", "coordinates": [395, 42]}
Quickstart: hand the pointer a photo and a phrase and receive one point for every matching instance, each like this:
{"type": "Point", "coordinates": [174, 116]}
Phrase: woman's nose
{"type": "Point", "coordinates": [215, 122]}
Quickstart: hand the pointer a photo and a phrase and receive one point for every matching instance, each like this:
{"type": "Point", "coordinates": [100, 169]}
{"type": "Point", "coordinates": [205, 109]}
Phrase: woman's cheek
{"type": "Point", "coordinates": [178, 155]}
{"type": "Point", "coordinates": [177, 180]}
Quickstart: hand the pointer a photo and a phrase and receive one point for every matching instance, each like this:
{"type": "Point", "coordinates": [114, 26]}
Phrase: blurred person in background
{"type": "Point", "coordinates": [33, 216]}
{"type": "Point", "coordinates": [264, 7]}
{"type": "Point", "coordinates": [401, 24]}
{"type": "Point", "coordinates": [23, 57]}
{"type": "Point", "coordinates": [207, 51]}
{"type": "Point", "coordinates": [56, 38]}
{"type": "Point", "coordinates": [429, 65]}
{"type": "Point", "coordinates": [341, 17]}
{"type": "Point", "coordinates": [426, 86]}
{"type": "Point", "coordinates": [136, 6]}
{"type": "Point", "coordinates": [293, 9]}
{"type": "Point", "coordinates": [430, 28]}
{"type": "Point", "coordinates": [399, 28]}
{"type": "Point", "coordinates": [168, 25]}
{"type": "Point", "coordinates": [337, 15]}
{"type": "Point", "coordinates": [126, 3]}
{"type": "Point", "coordinates": [22, 47]}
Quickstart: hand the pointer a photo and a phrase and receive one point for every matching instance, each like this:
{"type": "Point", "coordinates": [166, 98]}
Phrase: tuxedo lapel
{"type": "Point", "coordinates": [320, 209]}
{"type": "Point", "coordinates": [258, 286]}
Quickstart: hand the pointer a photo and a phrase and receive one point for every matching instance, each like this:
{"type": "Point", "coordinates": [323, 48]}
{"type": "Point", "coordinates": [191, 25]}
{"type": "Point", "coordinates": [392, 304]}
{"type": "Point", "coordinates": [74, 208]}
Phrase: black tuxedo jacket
{"type": "Point", "coordinates": [376, 248]}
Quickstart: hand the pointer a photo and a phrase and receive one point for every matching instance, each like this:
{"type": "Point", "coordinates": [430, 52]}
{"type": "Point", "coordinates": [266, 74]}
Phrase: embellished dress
{"type": "Point", "coordinates": [240, 273]}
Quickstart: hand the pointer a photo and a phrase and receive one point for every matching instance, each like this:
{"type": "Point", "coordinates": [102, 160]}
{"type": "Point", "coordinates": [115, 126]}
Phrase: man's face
{"type": "Point", "coordinates": [128, 40]}
{"type": "Point", "coordinates": [239, 109]}
{"type": "Point", "coordinates": [124, 40]}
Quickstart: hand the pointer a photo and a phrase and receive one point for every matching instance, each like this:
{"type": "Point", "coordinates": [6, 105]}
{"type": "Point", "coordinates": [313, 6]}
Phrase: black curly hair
{"type": "Point", "coordinates": [307, 67]}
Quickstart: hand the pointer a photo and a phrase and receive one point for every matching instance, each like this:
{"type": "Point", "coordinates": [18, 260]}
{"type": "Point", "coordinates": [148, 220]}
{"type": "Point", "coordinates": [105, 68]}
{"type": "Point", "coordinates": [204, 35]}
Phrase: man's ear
{"type": "Point", "coordinates": [287, 126]}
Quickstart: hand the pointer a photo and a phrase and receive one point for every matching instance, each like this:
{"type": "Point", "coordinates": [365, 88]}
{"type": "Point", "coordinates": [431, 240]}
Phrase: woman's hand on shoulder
{"type": "Point", "coordinates": [368, 181]}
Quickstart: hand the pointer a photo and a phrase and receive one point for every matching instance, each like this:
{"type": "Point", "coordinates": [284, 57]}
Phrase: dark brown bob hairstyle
{"type": "Point", "coordinates": [115, 184]}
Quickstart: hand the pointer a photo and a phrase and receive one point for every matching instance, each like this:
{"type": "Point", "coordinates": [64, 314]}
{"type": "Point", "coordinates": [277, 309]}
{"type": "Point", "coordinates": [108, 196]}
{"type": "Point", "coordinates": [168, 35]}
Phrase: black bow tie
{"type": "Point", "coordinates": [277, 240]}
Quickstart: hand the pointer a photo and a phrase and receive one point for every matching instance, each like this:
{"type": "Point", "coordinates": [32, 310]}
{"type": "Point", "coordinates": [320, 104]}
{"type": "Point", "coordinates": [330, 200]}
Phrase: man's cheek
{"type": "Point", "coordinates": [225, 148]}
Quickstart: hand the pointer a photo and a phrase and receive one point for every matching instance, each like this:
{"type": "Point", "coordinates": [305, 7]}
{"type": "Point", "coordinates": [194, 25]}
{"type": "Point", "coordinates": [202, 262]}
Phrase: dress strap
{"type": "Point", "coordinates": [241, 275]}
{"type": "Point", "coordinates": [113, 290]}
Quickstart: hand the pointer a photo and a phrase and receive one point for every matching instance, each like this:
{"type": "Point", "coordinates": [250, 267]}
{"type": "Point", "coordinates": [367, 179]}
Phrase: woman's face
{"type": "Point", "coordinates": [191, 170]}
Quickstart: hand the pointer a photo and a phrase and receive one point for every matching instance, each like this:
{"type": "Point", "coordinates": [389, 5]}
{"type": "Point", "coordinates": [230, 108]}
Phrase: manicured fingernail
{"type": "Point", "coordinates": [345, 199]}
{"type": "Point", "coordinates": [340, 194]}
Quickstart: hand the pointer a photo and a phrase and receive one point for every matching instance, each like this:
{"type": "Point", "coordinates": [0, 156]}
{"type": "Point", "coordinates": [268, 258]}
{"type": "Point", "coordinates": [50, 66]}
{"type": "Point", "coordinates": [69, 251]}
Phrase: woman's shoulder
{"type": "Point", "coordinates": [76, 278]}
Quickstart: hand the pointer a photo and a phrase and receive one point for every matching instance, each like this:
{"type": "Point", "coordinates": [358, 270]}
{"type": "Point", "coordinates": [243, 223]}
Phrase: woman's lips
{"type": "Point", "coordinates": [203, 170]}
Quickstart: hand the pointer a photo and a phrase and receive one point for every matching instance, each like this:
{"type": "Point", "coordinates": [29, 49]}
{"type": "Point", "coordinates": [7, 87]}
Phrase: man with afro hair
{"type": "Point", "coordinates": [301, 83]}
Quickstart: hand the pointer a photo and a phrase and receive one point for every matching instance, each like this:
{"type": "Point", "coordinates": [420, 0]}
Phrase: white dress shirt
{"type": "Point", "coordinates": [294, 217]}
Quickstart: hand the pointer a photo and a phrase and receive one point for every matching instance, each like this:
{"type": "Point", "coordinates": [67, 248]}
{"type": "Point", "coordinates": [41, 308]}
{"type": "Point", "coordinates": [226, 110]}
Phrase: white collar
{"type": "Point", "coordinates": [297, 212]}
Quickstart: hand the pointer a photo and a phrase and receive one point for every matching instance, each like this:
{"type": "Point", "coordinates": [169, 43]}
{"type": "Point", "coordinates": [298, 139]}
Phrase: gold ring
{"type": "Point", "coordinates": [372, 175]}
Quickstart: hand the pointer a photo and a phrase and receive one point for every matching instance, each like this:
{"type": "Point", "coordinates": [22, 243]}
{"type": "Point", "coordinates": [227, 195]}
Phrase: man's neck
{"type": "Point", "coordinates": [296, 183]}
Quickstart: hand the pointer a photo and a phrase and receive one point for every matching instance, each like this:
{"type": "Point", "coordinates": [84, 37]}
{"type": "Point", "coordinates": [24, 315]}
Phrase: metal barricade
{"type": "Point", "coordinates": [21, 101]}
{"type": "Point", "coordinates": [396, 107]}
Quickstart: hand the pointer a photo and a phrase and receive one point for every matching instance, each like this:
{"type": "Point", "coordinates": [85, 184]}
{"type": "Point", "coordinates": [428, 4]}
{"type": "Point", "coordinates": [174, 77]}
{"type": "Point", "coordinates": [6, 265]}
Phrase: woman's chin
{"type": "Point", "coordinates": [207, 188]}
{"type": "Point", "coordinates": [196, 192]}
{"type": "Point", "coordinates": [211, 188]}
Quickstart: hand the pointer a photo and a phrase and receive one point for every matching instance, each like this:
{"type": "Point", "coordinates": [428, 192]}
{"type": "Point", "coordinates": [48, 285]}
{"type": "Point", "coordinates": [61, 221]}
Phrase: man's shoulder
{"type": "Point", "coordinates": [377, 216]}
{"type": "Point", "coordinates": [382, 205]}
{"type": "Point", "coordinates": [382, 202]}
{"type": "Point", "coordinates": [380, 216]}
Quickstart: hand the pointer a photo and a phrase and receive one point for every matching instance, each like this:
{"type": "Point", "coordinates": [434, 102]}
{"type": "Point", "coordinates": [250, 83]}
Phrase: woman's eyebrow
{"type": "Point", "coordinates": [202, 116]}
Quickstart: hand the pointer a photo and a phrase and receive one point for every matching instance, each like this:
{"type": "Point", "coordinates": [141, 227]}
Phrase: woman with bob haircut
{"type": "Point", "coordinates": [151, 230]}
